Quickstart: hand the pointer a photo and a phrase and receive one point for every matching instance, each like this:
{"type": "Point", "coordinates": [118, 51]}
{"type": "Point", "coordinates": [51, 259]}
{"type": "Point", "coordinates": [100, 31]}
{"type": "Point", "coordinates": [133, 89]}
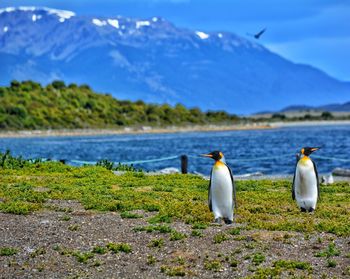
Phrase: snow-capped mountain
{"type": "Point", "coordinates": [153, 60]}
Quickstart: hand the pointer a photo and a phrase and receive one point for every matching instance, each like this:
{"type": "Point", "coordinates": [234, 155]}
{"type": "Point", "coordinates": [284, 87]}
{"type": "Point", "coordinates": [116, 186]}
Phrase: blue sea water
{"type": "Point", "coordinates": [268, 151]}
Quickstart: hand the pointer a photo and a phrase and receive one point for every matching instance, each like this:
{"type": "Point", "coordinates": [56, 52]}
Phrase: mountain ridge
{"type": "Point", "coordinates": [153, 60]}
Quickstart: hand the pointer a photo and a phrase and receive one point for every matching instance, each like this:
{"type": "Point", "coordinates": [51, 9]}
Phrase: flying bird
{"type": "Point", "coordinates": [306, 186]}
{"type": "Point", "coordinates": [222, 190]}
{"type": "Point", "coordinates": [258, 35]}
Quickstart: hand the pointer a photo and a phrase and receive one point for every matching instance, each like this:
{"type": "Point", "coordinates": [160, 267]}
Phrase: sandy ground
{"type": "Point", "coordinates": [172, 129]}
{"type": "Point", "coordinates": [129, 130]}
{"type": "Point", "coordinates": [46, 242]}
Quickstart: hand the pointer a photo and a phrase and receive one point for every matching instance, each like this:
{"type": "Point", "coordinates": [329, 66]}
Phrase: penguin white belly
{"type": "Point", "coordinates": [306, 185]}
{"type": "Point", "coordinates": [221, 192]}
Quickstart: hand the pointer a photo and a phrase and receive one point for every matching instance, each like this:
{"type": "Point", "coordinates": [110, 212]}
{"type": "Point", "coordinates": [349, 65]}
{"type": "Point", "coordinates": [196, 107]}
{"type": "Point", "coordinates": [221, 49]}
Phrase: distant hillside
{"type": "Point", "coordinates": [154, 61]}
{"type": "Point", "coordinates": [28, 105]}
{"type": "Point", "coordinates": [331, 108]}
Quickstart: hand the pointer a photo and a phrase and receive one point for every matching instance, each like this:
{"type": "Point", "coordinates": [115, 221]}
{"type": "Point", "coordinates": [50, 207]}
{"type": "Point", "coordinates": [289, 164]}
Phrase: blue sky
{"type": "Point", "coordinates": [313, 32]}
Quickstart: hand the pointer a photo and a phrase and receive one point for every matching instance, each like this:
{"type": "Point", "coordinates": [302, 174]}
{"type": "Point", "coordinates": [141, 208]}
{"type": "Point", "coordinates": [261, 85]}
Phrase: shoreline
{"type": "Point", "coordinates": [130, 130]}
{"type": "Point", "coordinates": [171, 129]}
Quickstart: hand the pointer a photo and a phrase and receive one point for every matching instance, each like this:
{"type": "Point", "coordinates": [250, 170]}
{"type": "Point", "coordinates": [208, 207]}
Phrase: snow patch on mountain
{"type": "Point", "coordinates": [7, 10]}
{"type": "Point", "coordinates": [202, 35]}
{"type": "Point", "coordinates": [140, 24]}
{"type": "Point", "coordinates": [62, 14]}
{"type": "Point", "coordinates": [113, 22]}
{"type": "Point", "coordinates": [98, 22]}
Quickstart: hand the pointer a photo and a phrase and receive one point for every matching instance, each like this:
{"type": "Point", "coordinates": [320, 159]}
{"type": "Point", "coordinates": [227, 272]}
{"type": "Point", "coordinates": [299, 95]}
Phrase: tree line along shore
{"type": "Point", "coordinates": [28, 105]}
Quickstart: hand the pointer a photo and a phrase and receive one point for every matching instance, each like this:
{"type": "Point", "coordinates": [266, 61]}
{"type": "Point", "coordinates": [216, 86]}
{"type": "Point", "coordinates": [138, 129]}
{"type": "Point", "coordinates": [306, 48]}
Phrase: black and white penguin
{"type": "Point", "coordinates": [306, 186]}
{"type": "Point", "coordinates": [222, 191]}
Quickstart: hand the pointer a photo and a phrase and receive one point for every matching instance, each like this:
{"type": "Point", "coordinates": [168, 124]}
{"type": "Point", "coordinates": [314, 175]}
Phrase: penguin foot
{"type": "Point", "coordinates": [302, 209]}
{"type": "Point", "coordinates": [217, 220]}
{"type": "Point", "coordinates": [311, 209]}
{"type": "Point", "coordinates": [227, 221]}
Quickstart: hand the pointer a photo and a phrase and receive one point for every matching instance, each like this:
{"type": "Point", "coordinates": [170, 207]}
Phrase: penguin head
{"type": "Point", "coordinates": [216, 155]}
{"type": "Point", "coordinates": [306, 151]}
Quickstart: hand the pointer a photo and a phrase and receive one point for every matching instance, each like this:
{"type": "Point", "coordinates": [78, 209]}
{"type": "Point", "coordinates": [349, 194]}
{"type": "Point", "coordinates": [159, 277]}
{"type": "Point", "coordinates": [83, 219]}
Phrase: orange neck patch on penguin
{"type": "Point", "coordinates": [219, 164]}
{"type": "Point", "coordinates": [304, 160]}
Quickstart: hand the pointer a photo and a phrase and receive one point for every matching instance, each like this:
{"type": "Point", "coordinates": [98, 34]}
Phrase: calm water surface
{"type": "Point", "coordinates": [241, 148]}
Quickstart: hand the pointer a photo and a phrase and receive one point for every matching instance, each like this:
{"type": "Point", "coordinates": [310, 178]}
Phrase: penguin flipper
{"type": "Point", "coordinates": [209, 194]}
{"type": "Point", "coordinates": [295, 171]}
{"type": "Point", "coordinates": [293, 186]}
{"type": "Point", "coordinates": [233, 187]}
{"type": "Point", "coordinates": [318, 181]}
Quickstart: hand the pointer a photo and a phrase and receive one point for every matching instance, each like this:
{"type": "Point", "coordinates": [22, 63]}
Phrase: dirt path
{"type": "Point", "coordinates": [58, 242]}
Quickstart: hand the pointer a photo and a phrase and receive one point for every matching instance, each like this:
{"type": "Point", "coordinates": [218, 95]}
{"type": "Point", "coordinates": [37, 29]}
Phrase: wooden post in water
{"type": "Point", "coordinates": [184, 164]}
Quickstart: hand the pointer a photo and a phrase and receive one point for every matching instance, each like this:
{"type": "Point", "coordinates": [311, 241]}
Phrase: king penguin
{"type": "Point", "coordinates": [222, 190]}
{"type": "Point", "coordinates": [306, 186]}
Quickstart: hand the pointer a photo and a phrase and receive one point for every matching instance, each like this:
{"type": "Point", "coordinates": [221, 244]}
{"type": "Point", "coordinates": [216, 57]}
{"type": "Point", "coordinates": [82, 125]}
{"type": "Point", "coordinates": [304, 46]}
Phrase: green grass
{"type": "Point", "coordinates": [329, 252]}
{"type": "Point", "coordinates": [177, 236]}
{"type": "Point", "coordinates": [156, 242]}
{"type": "Point", "coordinates": [73, 228]}
{"type": "Point", "coordinates": [173, 270]}
{"type": "Point", "coordinates": [119, 247]}
{"type": "Point", "coordinates": [331, 263]}
{"type": "Point", "coordinates": [220, 237]}
{"type": "Point", "coordinates": [99, 189]}
{"type": "Point", "coordinates": [99, 250]}
{"type": "Point", "coordinates": [154, 228]}
{"type": "Point", "coordinates": [213, 265]}
{"type": "Point", "coordinates": [37, 252]}
{"type": "Point", "coordinates": [7, 251]}
{"type": "Point", "coordinates": [83, 257]}
{"type": "Point", "coordinates": [258, 258]}
{"type": "Point", "coordinates": [65, 218]}
{"type": "Point", "coordinates": [130, 215]}
{"type": "Point", "coordinates": [196, 233]}
{"type": "Point", "coordinates": [151, 260]}
{"type": "Point", "coordinates": [234, 231]}
{"type": "Point", "coordinates": [289, 264]}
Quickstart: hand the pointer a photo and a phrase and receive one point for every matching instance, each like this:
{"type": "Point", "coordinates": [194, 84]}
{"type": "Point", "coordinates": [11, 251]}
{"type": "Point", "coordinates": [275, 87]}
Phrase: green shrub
{"type": "Point", "coordinates": [177, 236]}
{"type": "Point", "coordinates": [7, 251]}
{"type": "Point", "coordinates": [119, 247]}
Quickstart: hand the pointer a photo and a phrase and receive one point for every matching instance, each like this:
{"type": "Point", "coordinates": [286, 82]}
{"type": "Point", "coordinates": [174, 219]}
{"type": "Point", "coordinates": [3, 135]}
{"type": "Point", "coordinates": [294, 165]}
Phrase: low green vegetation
{"type": "Point", "coordinates": [151, 260]}
{"type": "Point", "coordinates": [258, 258]}
{"type": "Point", "coordinates": [329, 252]}
{"type": "Point", "coordinates": [37, 252]}
{"type": "Point", "coordinates": [97, 188]}
{"type": "Point", "coordinates": [305, 115]}
{"type": "Point", "coordinates": [8, 251]}
{"type": "Point", "coordinates": [331, 263]}
{"type": "Point", "coordinates": [99, 250]}
{"type": "Point", "coordinates": [220, 237]}
{"type": "Point", "coordinates": [119, 247]}
{"type": "Point", "coordinates": [177, 236]}
{"type": "Point", "coordinates": [83, 257]}
{"type": "Point", "coordinates": [130, 215]}
{"type": "Point", "coordinates": [196, 233]}
{"type": "Point", "coordinates": [234, 231]}
{"type": "Point", "coordinates": [289, 264]}
{"type": "Point", "coordinates": [156, 242]}
{"type": "Point", "coordinates": [173, 270]}
{"type": "Point", "coordinates": [29, 105]}
{"type": "Point", "coordinates": [213, 265]}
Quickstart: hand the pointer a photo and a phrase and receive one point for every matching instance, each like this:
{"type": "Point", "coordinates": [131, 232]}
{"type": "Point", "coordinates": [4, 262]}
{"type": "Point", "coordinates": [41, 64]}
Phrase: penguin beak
{"type": "Point", "coordinates": [315, 148]}
{"type": "Point", "coordinates": [206, 155]}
